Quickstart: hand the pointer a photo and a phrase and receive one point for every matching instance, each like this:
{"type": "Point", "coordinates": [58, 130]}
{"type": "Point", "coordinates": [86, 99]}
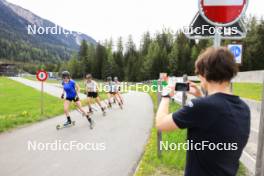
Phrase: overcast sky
{"type": "Point", "coordinates": [103, 19]}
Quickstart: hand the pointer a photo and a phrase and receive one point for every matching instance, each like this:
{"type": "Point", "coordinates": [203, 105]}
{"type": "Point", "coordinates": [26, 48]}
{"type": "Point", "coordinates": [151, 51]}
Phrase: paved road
{"type": "Point", "coordinates": [52, 89]}
{"type": "Point", "coordinates": [124, 134]}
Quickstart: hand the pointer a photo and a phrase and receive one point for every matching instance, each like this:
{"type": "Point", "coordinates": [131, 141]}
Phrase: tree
{"type": "Point", "coordinates": [144, 45]}
{"type": "Point", "coordinates": [130, 59]}
{"type": "Point", "coordinates": [194, 56]}
{"type": "Point", "coordinates": [249, 44]}
{"type": "Point", "coordinates": [174, 59]}
{"type": "Point", "coordinates": [118, 65]}
{"type": "Point", "coordinates": [100, 57]}
{"type": "Point", "coordinates": [151, 64]}
{"type": "Point", "coordinates": [108, 63]}
{"type": "Point", "coordinates": [84, 58]}
{"type": "Point", "coordinates": [164, 52]}
{"type": "Point", "coordinates": [74, 67]}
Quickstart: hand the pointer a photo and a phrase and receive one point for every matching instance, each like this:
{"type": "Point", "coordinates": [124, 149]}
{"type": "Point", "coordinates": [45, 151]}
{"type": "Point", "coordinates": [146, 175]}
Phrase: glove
{"type": "Point", "coordinates": [62, 96]}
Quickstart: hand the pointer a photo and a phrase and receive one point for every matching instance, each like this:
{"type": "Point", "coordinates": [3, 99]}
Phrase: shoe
{"type": "Point", "coordinates": [120, 105]}
{"type": "Point", "coordinates": [67, 123]}
{"type": "Point", "coordinates": [103, 109]}
{"type": "Point", "coordinates": [92, 124]}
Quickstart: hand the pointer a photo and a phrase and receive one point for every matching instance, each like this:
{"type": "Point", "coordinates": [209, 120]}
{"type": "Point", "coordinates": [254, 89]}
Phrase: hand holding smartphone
{"type": "Point", "coordinates": [194, 90]}
{"type": "Point", "coordinates": [189, 87]}
{"type": "Point", "coordinates": [182, 87]}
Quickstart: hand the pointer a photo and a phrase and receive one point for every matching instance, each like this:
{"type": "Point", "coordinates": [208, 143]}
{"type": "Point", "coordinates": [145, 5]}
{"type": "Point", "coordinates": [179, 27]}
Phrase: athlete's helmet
{"type": "Point", "coordinates": [109, 78]}
{"type": "Point", "coordinates": [89, 76]}
{"type": "Point", "coordinates": [65, 74]}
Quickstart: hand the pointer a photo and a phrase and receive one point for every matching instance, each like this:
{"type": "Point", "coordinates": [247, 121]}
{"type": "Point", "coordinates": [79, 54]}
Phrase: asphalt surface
{"type": "Point", "coordinates": [52, 89]}
{"type": "Point", "coordinates": [113, 147]}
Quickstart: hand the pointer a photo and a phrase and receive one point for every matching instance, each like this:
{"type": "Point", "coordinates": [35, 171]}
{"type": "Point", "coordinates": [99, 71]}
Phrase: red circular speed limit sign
{"type": "Point", "coordinates": [42, 75]}
{"type": "Point", "coordinates": [222, 12]}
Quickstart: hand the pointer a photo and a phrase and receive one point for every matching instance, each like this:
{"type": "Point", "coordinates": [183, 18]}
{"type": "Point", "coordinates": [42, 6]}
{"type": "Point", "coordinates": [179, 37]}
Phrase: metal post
{"type": "Point", "coordinates": [217, 38]}
{"type": "Point", "coordinates": [159, 133]}
{"type": "Point", "coordinates": [260, 151]}
{"type": "Point", "coordinates": [41, 101]}
{"type": "Point", "coordinates": [184, 94]}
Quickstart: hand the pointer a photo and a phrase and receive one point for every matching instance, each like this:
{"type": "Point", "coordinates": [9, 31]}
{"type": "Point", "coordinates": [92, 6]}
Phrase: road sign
{"type": "Point", "coordinates": [236, 49]}
{"type": "Point", "coordinates": [222, 12]}
{"type": "Point", "coordinates": [201, 29]}
{"type": "Point", "coordinates": [42, 75]}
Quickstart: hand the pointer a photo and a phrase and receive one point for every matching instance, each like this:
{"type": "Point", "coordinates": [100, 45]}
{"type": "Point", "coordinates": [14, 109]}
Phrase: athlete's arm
{"type": "Point", "coordinates": [164, 121]}
{"type": "Point", "coordinates": [77, 88]}
{"type": "Point", "coordinates": [62, 95]}
{"type": "Point", "coordinates": [97, 87]}
{"type": "Point", "coordinates": [85, 87]}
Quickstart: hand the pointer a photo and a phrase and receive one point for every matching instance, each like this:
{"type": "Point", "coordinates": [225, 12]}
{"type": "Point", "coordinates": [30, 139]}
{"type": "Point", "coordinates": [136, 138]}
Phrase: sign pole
{"type": "Point", "coordinates": [159, 133]}
{"type": "Point", "coordinates": [217, 38]}
{"type": "Point", "coordinates": [184, 94]}
{"type": "Point", "coordinates": [41, 101]}
{"type": "Point", "coordinates": [42, 76]}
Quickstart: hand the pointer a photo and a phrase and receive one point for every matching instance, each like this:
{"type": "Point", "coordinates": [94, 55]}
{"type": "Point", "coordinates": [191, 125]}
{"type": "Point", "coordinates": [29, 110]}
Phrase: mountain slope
{"type": "Point", "coordinates": [17, 44]}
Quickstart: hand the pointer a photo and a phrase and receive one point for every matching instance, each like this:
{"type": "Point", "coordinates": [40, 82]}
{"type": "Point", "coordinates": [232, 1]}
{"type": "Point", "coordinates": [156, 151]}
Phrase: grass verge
{"type": "Point", "coordinates": [21, 105]}
{"type": "Point", "coordinates": [248, 90]}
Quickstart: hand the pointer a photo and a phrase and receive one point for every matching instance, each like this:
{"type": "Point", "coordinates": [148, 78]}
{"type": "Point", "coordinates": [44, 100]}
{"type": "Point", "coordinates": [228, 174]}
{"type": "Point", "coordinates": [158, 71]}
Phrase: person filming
{"type": "Point", "coordinates": [220, 119]}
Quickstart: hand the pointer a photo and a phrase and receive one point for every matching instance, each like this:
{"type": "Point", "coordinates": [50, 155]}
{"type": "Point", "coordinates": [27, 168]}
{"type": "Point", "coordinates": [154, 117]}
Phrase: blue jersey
{"type": "Point", "coordinates": [69, 88]}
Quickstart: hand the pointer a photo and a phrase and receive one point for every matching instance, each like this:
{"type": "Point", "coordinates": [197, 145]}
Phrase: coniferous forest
{"type": "Point", "coordinates": [165, 51]}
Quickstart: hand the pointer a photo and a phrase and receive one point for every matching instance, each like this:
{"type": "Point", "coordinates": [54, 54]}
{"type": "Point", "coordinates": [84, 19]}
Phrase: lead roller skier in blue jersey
{"type": "Point", "coordinates": [72, 89]}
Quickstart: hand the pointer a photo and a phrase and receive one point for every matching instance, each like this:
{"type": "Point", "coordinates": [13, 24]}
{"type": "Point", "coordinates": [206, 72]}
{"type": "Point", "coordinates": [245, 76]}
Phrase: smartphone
{"type": "Point", "coordinates": [182, 87]}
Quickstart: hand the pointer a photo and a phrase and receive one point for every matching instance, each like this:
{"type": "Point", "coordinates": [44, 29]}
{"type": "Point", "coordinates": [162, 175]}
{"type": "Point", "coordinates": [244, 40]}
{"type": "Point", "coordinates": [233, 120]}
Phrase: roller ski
{"type": "Point", "coordinates": [120, 105]}
{"type": "Point", "coordinates": [104, 112]}
{"type": "Point", "coordinates": [65, 125]}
